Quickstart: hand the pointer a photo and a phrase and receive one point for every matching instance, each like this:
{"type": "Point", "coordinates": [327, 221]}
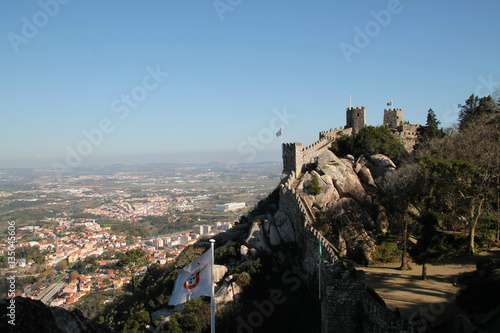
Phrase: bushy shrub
{"type": "Point", "coordinates": [371, 140]}
{"type": "Point", "coordinates": [242, 279]}
{"type": "Point", "coordinates": [314, 187]}
{"type": "Point", "coordinates": [386, 252]}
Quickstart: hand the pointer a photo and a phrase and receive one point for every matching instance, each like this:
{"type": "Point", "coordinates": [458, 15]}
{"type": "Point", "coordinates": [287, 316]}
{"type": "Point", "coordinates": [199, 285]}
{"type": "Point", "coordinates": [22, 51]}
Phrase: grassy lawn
{"type": "Point", "coordinates": [59, 277]}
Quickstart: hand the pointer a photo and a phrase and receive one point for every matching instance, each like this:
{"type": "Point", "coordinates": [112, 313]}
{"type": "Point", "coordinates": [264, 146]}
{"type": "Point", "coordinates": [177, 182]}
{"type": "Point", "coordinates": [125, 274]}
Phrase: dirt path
{"type": "Point", "coordinates": [431, 299]}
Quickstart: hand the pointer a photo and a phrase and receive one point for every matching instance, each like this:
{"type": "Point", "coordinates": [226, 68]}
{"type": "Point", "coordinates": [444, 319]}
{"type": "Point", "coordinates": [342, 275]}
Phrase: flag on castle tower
{"type": "Point", "coordinates": [389, 103]}
{"type": "Point", "coordinates": [280, 132]}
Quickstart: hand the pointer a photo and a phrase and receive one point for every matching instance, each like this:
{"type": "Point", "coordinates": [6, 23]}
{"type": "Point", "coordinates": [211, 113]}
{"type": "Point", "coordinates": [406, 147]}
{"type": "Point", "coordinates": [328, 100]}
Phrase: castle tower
{"type": "Point", "coordinates": [292, 157]}
{"type": "Point", "coordinates": [393, 118]}
{"type": "Point", "coordinates": [355, 118]}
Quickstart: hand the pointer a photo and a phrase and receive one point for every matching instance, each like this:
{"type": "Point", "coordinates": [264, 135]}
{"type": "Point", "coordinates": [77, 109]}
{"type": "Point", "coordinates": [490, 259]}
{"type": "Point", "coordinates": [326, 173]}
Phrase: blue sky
{"type": "Point", "coordinates": [211, 80]}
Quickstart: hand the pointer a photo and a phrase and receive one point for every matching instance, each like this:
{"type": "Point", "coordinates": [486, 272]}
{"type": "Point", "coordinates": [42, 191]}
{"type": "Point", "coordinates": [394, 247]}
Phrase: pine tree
{"type": "Point", "coordinates": [430, 131]}
{"type": "Point", "coordinates": [315, 188]}
{"type": "Point", "coordinates": [474, 107]}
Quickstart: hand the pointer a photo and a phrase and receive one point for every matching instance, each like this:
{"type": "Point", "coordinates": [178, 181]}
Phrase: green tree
{"type": "Point", "coordinates": [401, 189]}
{"type": "Point", "coordinates": [371, 140]}
{"type": "Point", "coordinates": [454, 185]}
{"type": "Point", "coordinates": [474, 107]}
{"type": "Point", "coordinates": [431, 129]}
{"type": "Point", "coordinates": [315, 187]}
{"type": "Point", "coordinates": [133, 259]}
{"type": "Point", "coordinates": [464, 171]}
{"type": "Point", "coordinates": [430, 242]}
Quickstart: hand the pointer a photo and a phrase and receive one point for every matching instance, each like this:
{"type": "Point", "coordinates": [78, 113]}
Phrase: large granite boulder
{"type": "Point", "coordinates": [274, 235]}
{"type": "Point", "coordinates": [284, 227]}
{"type": "Point", "coordinates": [380, 165]}
{"type": "Point", "coordinates": [219, 272]}
{"type": "Point", "coordinates": [328, 191]}
{"type": "Point", "coordinates": [228, 291]}
{"type": "Point", "coordinates": [257, 239]}
{"type": "Point", "coordinates": [365, 176]}
{"type": "Point", "coordinates": [351, 228]}
{"type": "Point", "coordinates": [343, 176]}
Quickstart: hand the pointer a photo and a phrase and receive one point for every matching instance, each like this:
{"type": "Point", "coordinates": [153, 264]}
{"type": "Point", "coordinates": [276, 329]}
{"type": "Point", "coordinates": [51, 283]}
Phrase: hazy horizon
{"type": "Point", "coordinates": [101, 83]}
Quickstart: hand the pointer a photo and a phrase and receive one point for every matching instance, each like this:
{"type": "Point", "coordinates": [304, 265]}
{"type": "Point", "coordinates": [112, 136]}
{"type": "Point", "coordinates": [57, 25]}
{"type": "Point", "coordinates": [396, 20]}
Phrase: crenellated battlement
{"type": "Point", "coordinates": [295, 157]}
{"type": "Point", "coordinates": [335, 133]}
{"type": "Point", "coordinates": [321, 142]}
{"type": "Point", "coordinates": [342, 289]}
{"type": "Point", "coordinates": [292, 157]}
{"type": "Point", "coordinates": [393, 118]}
{"type": "Point", "coordinates": [355, 118]}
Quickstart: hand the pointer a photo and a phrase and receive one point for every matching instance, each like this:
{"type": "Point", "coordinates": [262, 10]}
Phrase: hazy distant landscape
{"type": "Point", "coordinates": [33, 195]}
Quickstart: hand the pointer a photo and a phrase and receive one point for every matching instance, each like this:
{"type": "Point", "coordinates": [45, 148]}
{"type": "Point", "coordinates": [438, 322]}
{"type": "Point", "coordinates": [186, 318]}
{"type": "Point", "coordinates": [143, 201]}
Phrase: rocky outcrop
{"type": "Point", "coordinates": [342, 174]}
{"type": "Point", "coordinates": [328, 191]}
{"type": "Point", "coordinates": [347, 205]}
{"type": "Point", "coordinates": [352, 228]}
{"type": "Point", "coordinates": [228, 291]}
{"type": "Point", "coordinates": [34, 316]}
{"type": "Point", "coordinates": [380, 165]}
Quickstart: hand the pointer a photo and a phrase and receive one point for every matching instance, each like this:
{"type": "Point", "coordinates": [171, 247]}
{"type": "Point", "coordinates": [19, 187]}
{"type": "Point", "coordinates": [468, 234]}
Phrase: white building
{"type": "Point", "coordinates": [158, 242]}
{"type": "Point", "coordinates": [232, 206]}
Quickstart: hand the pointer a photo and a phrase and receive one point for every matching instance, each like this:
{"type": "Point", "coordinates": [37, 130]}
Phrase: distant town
{"type": "Point", "coordinates": [76, 234]}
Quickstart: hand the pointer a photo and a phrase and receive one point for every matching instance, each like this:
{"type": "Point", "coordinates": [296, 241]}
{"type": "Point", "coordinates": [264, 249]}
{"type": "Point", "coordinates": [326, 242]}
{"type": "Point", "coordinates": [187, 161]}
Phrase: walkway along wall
{"type": "Point", "coordinates": [346, 305]}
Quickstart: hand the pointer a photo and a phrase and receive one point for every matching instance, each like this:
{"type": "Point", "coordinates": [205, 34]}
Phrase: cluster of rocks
{"type": "Point", "coordinates": [348, 206]}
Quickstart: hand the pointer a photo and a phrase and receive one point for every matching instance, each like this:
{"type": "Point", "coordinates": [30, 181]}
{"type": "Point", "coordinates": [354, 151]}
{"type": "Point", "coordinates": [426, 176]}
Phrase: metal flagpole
{"type": "Point", "coordinates": [282, 135]}
{"type": "Point", "coordinates": [319, 269]}
{"type": "Point", "coordinates": [212, 302]}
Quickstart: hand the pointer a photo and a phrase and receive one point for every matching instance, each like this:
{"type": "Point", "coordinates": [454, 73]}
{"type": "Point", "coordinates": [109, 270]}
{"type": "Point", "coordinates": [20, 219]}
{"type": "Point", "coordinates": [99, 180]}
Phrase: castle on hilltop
{"type": "Point", "coordinates": [295, 156]}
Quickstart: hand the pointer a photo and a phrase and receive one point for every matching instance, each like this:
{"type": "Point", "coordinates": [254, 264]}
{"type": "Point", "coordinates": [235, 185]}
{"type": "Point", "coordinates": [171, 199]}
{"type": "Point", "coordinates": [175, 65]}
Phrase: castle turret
{"type": "Point", "coordinates": [356, 118]}
{"type": "Point", "coordinates": [393, 118]}
{"type": "Point", "coordinates": [292, 157]}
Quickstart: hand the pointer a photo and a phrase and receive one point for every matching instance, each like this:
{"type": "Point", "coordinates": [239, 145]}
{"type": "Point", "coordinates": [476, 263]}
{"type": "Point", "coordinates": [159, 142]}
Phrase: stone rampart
{"type": "Point", "coordinates": [295, 157]}
{"type": "Point", "coordinates": [334, 133]}
{"type": "Point", "coordinates": [346, 305]}
{"type": "Point", "coordinates": [310, 152]}
{"type": "Point", "coordinates": [306, 236]}
{"type": "Point", "coordinates": [292, 157]}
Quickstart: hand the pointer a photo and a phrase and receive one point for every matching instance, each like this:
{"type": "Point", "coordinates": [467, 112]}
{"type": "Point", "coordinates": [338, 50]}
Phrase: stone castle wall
{"type": "Point", "coordinates": [296, 157]}
{"type": "Point", "coordinates": [292, 157]}
{"type": "Point", "coordinates": [393, 117]}
{"type": "Point", "coordinates": [346, 305]}
{"type": "Point", "coordinates": [407, 135]}
{"type": "Point", "coordinates": [334, 133]}
{"type": "Point", "coordinates": [355, 118]}
{"type": "Point", "coordinates": [302, 218]}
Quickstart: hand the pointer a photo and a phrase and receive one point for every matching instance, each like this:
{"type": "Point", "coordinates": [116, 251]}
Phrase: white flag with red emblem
{"type": "Point", "coordinates": [194, 280]}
